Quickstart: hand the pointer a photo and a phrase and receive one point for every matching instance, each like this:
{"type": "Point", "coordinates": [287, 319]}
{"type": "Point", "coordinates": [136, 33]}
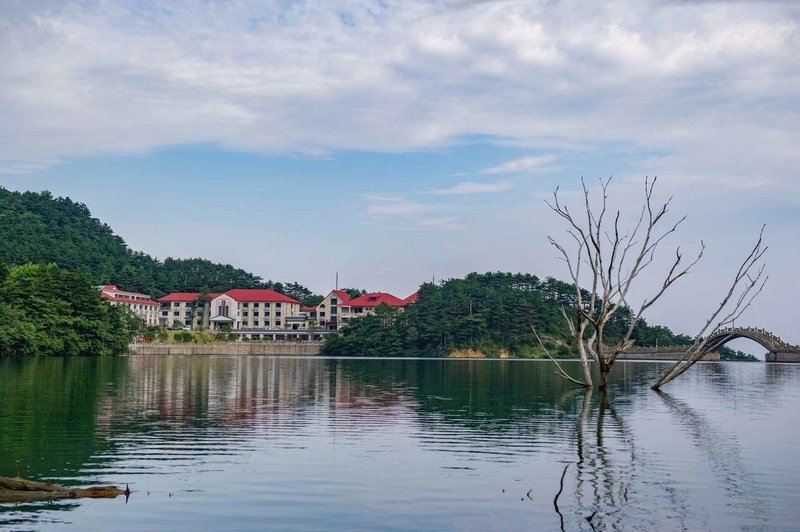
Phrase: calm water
{"type": "Point", "coordinates": [243, 443]}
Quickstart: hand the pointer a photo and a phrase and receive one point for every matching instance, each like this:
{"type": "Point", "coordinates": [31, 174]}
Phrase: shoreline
{"type": "Point", "coordinates": [314, 348]}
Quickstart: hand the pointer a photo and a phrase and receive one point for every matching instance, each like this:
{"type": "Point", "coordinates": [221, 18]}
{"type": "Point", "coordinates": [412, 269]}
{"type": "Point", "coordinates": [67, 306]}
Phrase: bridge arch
{"type": "Point", "coordinates": [764, 338]}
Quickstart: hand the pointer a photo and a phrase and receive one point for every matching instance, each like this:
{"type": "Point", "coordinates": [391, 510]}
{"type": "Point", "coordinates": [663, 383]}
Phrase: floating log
{"type": "Point", "coordinates": [24, 490]}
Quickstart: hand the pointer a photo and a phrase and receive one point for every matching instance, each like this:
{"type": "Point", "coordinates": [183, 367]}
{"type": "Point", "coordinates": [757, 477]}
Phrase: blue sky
{"type": "Point", "coordinates": [397, 141]}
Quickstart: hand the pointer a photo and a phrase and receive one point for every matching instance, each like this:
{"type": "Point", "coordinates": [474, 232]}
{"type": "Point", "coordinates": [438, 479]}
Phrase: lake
{"type": "Point", "coordinates": [254, 443]}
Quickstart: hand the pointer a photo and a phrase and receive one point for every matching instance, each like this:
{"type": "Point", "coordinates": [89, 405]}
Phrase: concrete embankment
{"type": "Point", "coordinates": [238, 348]}
{"type": "Point", "coordinates": [662, 355]}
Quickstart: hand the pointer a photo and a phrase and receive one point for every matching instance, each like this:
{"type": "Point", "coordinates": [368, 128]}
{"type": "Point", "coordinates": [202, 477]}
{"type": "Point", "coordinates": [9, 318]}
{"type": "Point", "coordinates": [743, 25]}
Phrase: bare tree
{"type": "Point", "coordinates": [608, 259]}
{"type": "Point", "coordinates": [746, 285]}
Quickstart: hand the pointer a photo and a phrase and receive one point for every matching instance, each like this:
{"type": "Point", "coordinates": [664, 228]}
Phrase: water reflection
{"type": "Point", "coordinates": [400, 444]}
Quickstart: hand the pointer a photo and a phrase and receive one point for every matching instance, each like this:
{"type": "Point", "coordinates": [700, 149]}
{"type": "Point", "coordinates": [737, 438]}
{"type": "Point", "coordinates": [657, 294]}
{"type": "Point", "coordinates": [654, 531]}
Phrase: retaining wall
{"type": "Point", "coordinates": [238, 348]}
{"type": "Point", "coordinates": [782, 357]}
{"type": "Point", "coordinates": [662, 355]}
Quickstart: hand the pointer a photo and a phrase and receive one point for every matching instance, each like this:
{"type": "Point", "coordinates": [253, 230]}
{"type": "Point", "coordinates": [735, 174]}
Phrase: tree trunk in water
{"type": "Point", "coordinates": [587, 372]}
{"type": "Point", "coordinates": [604, 371]}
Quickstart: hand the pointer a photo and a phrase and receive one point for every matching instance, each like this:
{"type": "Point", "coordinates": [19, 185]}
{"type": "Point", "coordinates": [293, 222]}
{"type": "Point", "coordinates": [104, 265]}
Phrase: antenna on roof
{"type": "Point", "coordinates": [337, 280]}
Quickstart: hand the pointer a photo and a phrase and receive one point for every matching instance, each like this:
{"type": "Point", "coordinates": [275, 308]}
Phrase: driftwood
{"type": "Point", "coordinates": [23, 490]}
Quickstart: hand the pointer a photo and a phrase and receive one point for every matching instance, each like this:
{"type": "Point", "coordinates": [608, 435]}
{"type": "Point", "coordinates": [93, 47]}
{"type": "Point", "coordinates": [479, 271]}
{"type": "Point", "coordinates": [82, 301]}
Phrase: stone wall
{"type": "Point", "coordinates": [237, 348]}
{"type": "Point", "coordinates": [782, 357]}
{"type": "Point", "coordinates": [662, 355]}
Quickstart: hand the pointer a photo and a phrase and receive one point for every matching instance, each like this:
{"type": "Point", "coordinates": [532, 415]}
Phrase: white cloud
{"type": "Point", "coordinates": [79, 78]}
{"type": "Point", "coordinates": [522, 165]}
{"type": "Point", "coordinates": [379, 205]}
{"type": "Point", "coordinates": [400, 212]}
{"type": "Point", "coordinates": [470, 187]}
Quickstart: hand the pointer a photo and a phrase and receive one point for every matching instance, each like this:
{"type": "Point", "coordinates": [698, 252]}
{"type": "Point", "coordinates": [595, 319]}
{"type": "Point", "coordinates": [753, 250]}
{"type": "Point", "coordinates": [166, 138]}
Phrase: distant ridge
{"type": "Point", "coordinates": [36, 227]}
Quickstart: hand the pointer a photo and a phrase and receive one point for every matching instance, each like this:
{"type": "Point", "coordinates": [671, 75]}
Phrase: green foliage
{"type": "Point", "coordinates": [486, 312]}
{"type": "Point", "coordinates": [40, 228]}
{"type": "Point", "coordinates": [45, 310]}
{"type": "Point", "coordinates": [726, 353]}
{"type": "Point", "coordinates": [184, 337]}
{"type": "Point", "coordinates": [354, 292]}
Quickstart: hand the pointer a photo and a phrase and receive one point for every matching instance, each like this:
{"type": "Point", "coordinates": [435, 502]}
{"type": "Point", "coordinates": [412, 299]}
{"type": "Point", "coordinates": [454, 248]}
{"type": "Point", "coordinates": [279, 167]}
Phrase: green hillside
{"type": "Point", "coordinates": [36, 227]}
{"type": "Point", "coordinates": [487, 312]}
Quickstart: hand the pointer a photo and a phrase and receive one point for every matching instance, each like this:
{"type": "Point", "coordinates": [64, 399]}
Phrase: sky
{"type": "Point", "coordinates": [395, 142]}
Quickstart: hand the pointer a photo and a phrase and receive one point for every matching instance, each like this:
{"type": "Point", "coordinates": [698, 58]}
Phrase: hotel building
{"type": "Point", "coordinates": [140, 304]}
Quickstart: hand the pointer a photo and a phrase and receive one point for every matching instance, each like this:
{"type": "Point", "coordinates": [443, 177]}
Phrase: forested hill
{"type": "Point", "coordinates": [36, 227]}
{"type": "Point", "coordinates": [487, 312]}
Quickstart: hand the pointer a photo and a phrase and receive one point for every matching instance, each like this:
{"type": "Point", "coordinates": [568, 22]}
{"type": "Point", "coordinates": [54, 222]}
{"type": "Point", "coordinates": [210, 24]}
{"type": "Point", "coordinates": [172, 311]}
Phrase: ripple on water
{"type": "Point", "coordinates": [255, 443]}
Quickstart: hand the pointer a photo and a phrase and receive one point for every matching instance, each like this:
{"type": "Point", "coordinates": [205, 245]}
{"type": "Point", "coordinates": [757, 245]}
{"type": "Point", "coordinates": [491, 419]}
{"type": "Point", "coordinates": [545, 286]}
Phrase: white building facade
{"type": "Point", "coordinates": [139, 304]}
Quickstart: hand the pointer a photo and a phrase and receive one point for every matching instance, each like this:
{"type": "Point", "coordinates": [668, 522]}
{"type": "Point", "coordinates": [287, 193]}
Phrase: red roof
{"type": "Point", "coordinates": [259, 295]}
{"type": "Point", "coordinates": [184, 297]}
{"type": "Point", "coordinates": [123, 299]}
{"type": "Point", "coordinates": [412, 298]}
{"type": "Point", "coordinates": [376, 298]}
{"type": "Point", "coordinates": [342, 295]}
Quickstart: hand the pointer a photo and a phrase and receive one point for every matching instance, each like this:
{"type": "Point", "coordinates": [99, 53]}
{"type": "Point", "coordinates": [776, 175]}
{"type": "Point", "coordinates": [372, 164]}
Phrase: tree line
{"type": "Point", "coordinates": [489, 312]}
{"type": "Point", "coordinates": [38, 228]}
{"type": "Point", "coordinates": [46, 310]}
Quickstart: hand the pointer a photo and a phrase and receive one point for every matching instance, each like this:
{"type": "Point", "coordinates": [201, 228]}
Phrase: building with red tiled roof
{"type": "Point", "coordinates": [326, 315]}
{"type": "Point", "coordinates": [365, 305]}
{"type": "Point", "coordinates": [140, 304]}
{"type": "Point", "coordinates": [376, 298]}
{"type": "Point", "coordinates": [184, 309]}
{"type": "Point", "coordinates": [185, 297]}
{"type": "Point", "coordinates": [412, 298]}
{"type": "Point", "coordinates": [260, 295]}
{"type": "Point", "coordinates": [255, 309]}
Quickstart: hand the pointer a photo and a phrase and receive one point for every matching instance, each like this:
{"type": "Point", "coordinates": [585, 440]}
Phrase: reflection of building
{"type": "Point", "coordinates": [140, 304]}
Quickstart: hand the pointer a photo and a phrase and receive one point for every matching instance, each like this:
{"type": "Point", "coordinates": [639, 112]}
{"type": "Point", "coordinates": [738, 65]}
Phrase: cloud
{"type": "Point", "coordinates": [712, 85]}
{"type": "Point", "coordinates": [400, 212]}
{"type": "Point", "coordinates": [469, 187]}
{"type": "Point", "coordinates": [379, 205]}
{"type": "Point", "coordinates": [523, 164]}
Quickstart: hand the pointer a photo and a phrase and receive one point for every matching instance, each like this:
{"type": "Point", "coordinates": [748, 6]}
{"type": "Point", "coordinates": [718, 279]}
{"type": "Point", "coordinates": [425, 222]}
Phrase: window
{"type": "Point", "coordinates": [244, 305]}
{"type": "Point", "coordinates": [223, 311]}
{"type": "Point", "coordinates": [255, 323]}
{"type": "Point", "coordinates": [176, 304]}
{"type": "Point", "coordinates": [322, 314]}
{"type": "Point", "coordinates": [255, 313]}
{"type": "Point", "coordinates": [321, 322]}
{"type": "Point", "coordinates": [266, 305]}
{"type": "Point", "coordinates": [165, 313]}
{"type": "Point", "coordinates": [277, 313]}
{"type": "Point", "coordinates": [334, 301]}
{"type": "Point", "coordinates": [277, 323]}
{"type": "Point", "coordinates": [277, 305]}
{"type": "Point", "coordinates": [255, 305]}
{"type": "Point", "coordinates": [333, 311]}
{"type": "Point", "coordinates": [177, 314]}
{"type": "Point", "coordinates": [244, 314]}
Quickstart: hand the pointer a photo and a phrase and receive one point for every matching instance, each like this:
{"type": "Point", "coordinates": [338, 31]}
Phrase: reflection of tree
{"type": "Point", "coordinates": [608, 466]}
{"type": "Point", "coordinates": [49, 410]}
{"type": "Point", "coordinates": [722, 453]}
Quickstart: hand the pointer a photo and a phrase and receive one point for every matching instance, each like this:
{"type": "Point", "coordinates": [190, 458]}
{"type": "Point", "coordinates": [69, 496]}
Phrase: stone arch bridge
{"type": "Point", "coordinates": [777, 349]}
